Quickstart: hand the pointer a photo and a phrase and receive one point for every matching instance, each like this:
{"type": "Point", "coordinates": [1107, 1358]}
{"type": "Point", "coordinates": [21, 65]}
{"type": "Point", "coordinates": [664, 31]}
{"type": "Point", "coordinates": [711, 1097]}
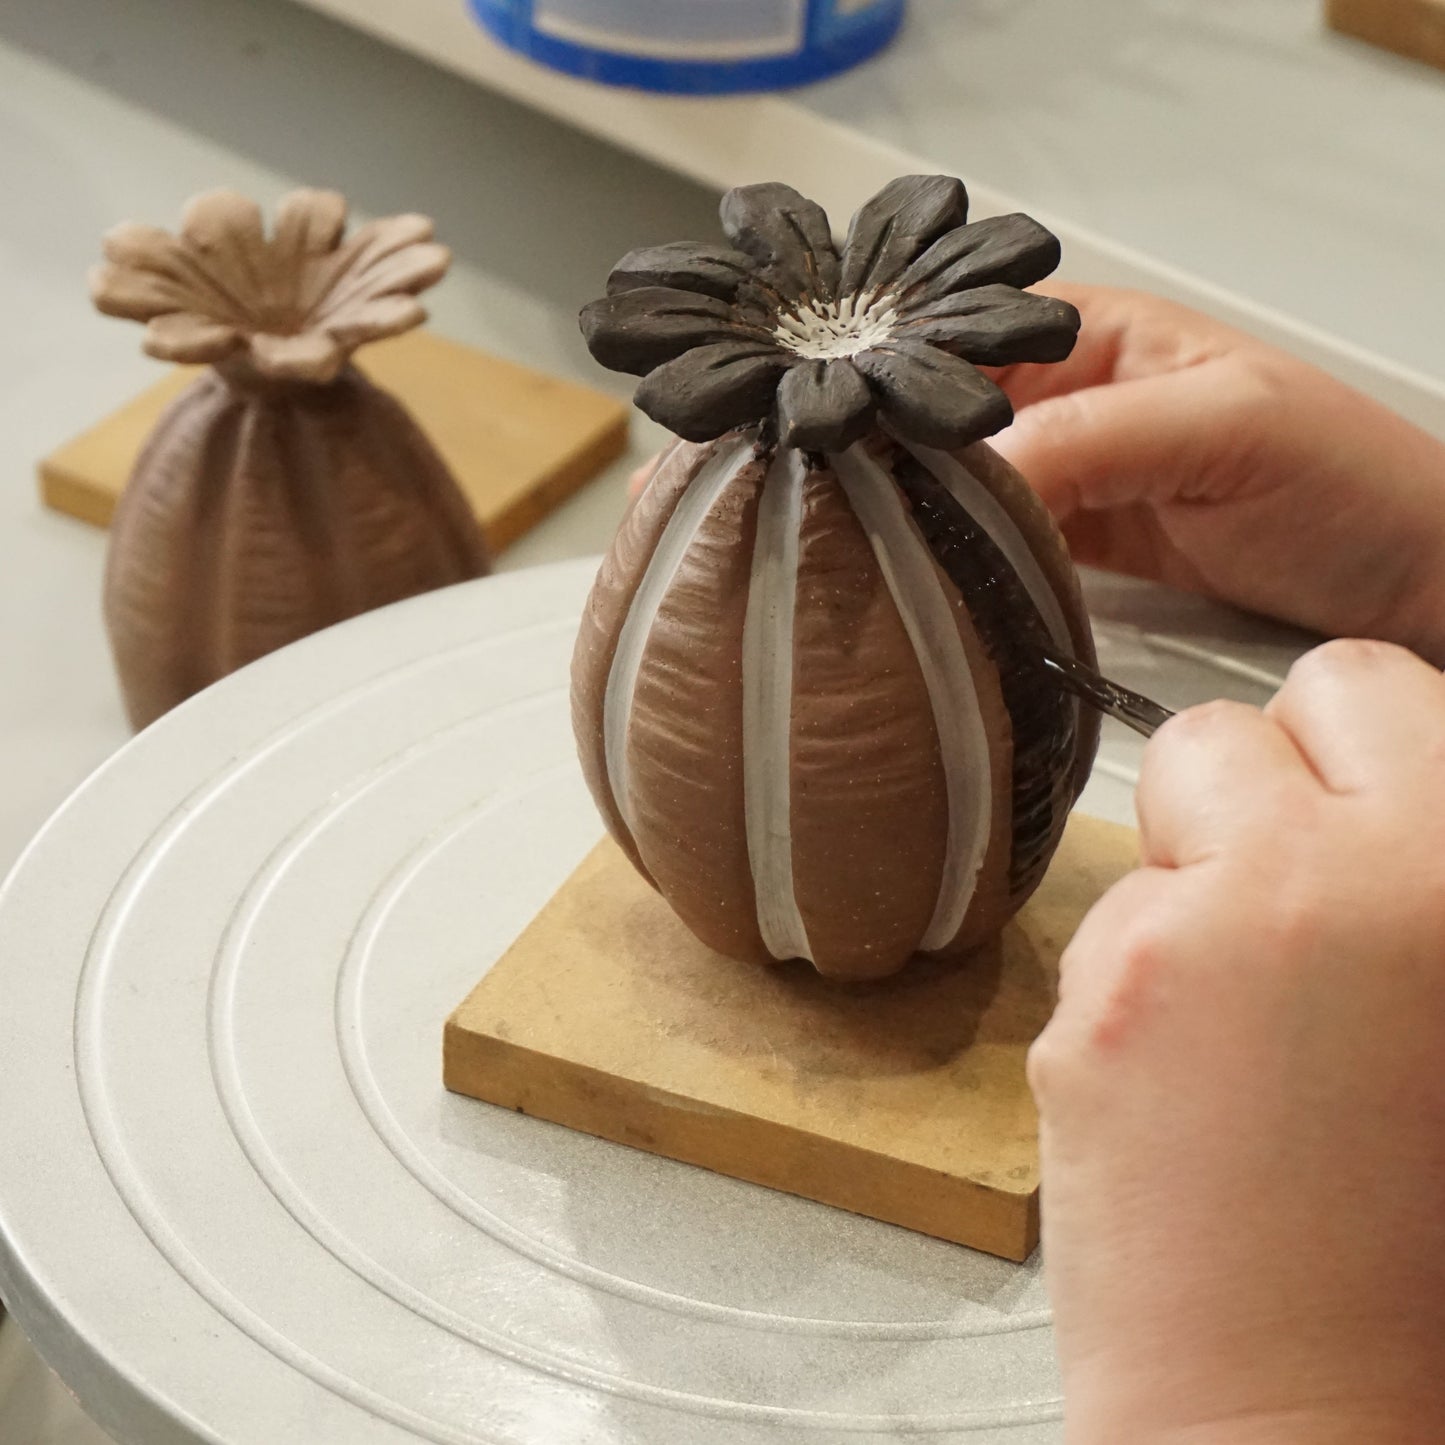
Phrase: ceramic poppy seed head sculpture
{"type": "Point", "coordinates": [806, 690]}
{"type": "Point", "coordinates": [282, 491]}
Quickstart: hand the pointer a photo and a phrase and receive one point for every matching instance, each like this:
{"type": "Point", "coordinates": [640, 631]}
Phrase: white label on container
{"type": "Point", "coordinates": [678, 29]}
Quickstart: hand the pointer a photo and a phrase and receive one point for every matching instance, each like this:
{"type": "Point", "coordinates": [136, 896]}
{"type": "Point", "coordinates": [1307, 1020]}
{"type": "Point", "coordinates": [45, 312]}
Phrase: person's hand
{"type": "Point", "coordinates": [1242, 1092]}
{"type": "Point", "coordinates": [637, 482]}
{"type": "Point", "coordinates": [1172, 447]}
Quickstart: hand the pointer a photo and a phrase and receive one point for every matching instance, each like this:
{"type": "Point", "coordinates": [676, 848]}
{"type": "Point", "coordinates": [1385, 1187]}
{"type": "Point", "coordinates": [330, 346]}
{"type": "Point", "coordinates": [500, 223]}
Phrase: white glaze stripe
{"type": "Point", "coordinates": [928, 617]}
{"type": "Point", "coordinates": [767, 668]}
{"type": "Point", "coordinates": [682, 527]}
{"type": "Point", "coordinates": [993, 517]}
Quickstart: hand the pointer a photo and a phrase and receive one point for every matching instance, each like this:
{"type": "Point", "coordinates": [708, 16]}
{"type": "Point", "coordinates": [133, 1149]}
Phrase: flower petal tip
{"type": "Point", "coordinates": [299, 300]}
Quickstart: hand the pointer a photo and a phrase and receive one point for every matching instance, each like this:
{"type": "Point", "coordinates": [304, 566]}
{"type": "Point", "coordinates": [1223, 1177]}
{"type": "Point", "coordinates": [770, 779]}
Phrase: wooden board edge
{"type": "Point", "coordinates": [533, 507]}
{"type": "Point", "coordinates": [62, 491]}
{"type": "Point", "coordinates": [777, 1156]}
{"type": "Point", "coordinates": [1412, 28]}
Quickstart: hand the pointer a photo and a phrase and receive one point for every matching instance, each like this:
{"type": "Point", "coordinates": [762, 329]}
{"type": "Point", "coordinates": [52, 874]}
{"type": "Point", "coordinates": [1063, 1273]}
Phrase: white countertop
{"type": "Point", "coordinates": [1236, 153]}
{"type": "Point", "coordinates": [1235, 139]}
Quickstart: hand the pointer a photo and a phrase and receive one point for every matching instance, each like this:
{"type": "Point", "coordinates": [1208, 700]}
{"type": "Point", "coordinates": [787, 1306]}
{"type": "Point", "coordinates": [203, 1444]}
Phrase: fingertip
{"type": "Point", "coordinates": [1012, 443]}
{"type": "Point", "coordinates": [1359, 657]}
{"type": "Point", "coordinates": [1366, 714]}
{"type": "Point", "coordinates": [1041, 445]}
{"type": "Point", "coordinates": [1212, 775]}
{"type": "Point", "coordinates": [637, 482]}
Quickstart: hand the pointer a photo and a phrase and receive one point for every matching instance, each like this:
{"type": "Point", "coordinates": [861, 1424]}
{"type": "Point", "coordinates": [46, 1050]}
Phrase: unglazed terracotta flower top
{"type": "Point", "coordinates": [291, 306]}
{"type": "Point", "coordinates": [281, 491]}
{"type": "Point", "coordinates": [784, 328]}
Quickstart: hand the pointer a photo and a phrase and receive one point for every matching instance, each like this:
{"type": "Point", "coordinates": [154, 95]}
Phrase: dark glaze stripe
{"type": "Point", "coordinates": [1043, 716]}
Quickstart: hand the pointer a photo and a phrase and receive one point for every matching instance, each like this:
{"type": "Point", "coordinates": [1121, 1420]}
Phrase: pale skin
{"type": "Point", "coordinates": [1173, 447]}
{"type": "Point", "coordinates": [1243, 1116]}
{"type": "Point", "coordinates": [1242, 1091]}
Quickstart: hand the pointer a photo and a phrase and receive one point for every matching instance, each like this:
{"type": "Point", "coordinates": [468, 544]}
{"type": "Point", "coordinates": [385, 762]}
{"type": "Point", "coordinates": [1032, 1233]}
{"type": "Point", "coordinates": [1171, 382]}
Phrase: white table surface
{"type": "Point", "coordinates": [1233, 154]}
{"type": "Point", "coordinates": [123, 108]}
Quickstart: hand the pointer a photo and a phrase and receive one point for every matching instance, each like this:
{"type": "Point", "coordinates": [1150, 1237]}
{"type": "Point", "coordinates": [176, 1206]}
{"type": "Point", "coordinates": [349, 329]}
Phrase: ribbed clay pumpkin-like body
{"type": "Point", "coordinates": [818, 730]}
{"type": "Point", "coordinates": [260, 512]}
{"type": "Point", "coordinates": [282, 491]}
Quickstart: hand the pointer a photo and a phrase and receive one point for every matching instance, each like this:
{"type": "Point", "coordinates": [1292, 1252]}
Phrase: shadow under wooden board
{"type": "Point", "coordinates": [905, 1100]}
{"type": "Point", "coordinates": [519, 442]}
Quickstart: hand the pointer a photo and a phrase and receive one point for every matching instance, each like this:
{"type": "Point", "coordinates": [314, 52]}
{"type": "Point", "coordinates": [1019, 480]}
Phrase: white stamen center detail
{"type": "Point", "coordinates": [837, 328]}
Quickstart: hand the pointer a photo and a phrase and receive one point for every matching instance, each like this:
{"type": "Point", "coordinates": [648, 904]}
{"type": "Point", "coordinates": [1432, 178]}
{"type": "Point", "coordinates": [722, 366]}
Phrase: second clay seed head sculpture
{"type": "Point", "coordinates": [281, 491]}
{"type": "Point", "coordinates": [806, 689]}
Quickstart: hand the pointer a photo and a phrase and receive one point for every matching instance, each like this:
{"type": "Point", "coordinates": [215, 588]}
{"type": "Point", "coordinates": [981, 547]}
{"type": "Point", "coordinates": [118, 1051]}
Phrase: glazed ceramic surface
{"type": "Point", "coordinates": [808, 691]}
{"type": "Point", "coordinates": [240, 1207]}
{"type": "Point", "coordinates": [797, 725]}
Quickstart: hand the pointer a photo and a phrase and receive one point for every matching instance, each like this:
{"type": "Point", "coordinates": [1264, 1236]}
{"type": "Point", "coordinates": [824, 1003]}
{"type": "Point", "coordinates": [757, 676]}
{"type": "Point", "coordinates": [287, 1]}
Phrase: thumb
{"type": "Point", "coordinates": [1182, 435]}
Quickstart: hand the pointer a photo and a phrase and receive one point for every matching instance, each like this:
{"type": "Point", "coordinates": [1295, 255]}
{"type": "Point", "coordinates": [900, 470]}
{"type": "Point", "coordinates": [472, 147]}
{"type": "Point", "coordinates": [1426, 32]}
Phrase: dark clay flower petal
{"type": "Point", "coordinates": [683, 266]}
{"type": "Point", "coordinates": [823, 406]}
{"type": "Point", "coordinates": [641, 329]}
{"type": "Point", "coordinates": [931, 397]}
{"type": "Point", "coordinates": [787, 235]}
{"type": "Point", "coordinates": [713, 389]}
{"type": "Point", "coordinates": [994, 326]}
{"type": "Point", "coordinates": [1012, 250]}
{"type": "Point", "coordinates": [905, 218]}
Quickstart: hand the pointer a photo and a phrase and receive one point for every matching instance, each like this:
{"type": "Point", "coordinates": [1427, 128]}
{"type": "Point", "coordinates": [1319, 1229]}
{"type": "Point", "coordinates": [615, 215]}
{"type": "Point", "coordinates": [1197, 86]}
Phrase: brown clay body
{"type": "Point", "coordinates": [259, 513]}
{"type": "Point", "coordinates": [282, 492]}
{"type": "Point", "coordinates": [862, 780]}
{"type": "Point", "coordinates": [812, 690]}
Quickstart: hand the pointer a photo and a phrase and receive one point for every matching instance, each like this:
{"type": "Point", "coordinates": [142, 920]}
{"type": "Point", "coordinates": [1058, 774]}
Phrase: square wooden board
{"type": "Point", "coordinates": [905, 1100]}
{"type": "Point", "coordinates": [518, 441]}
{"type": "Point", "coordinates": [1415, 28]}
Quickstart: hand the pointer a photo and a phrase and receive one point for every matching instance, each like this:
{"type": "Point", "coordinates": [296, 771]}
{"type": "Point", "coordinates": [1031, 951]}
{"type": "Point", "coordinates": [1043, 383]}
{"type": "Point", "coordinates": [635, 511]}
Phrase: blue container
{"type": "Point", "coordinates": [695, 47]}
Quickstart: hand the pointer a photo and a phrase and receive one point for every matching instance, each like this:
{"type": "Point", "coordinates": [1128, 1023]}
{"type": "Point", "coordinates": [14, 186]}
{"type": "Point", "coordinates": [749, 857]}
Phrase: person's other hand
{"type": "Point", "coordinates": [1172, 447]}
{"type": "Point", "coordinates": [637, 482]}
{"type": "Point", "coordinates": [1242, 1092]}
